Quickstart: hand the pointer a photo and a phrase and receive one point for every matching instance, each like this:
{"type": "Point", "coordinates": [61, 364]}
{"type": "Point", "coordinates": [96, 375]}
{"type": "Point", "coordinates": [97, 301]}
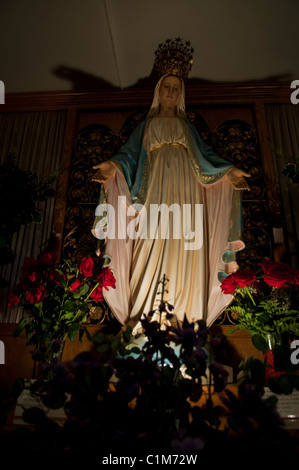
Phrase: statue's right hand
{"type": "Point", "coordinates": [106, 171]}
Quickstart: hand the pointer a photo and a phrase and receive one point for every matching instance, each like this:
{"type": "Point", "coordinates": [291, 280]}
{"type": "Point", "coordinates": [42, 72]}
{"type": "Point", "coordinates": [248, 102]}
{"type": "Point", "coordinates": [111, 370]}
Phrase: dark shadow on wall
{"type": "Point", "coordinates": [85, 81]}
{"type": "Point", "coordinates": [80, 80]}
{"type": "Point", "coordinates": [193, 81]}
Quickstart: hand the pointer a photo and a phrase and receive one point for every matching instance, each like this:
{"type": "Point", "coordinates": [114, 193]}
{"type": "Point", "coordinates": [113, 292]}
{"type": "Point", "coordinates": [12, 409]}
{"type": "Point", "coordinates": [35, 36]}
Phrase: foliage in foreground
{"type": "Point", "coordinates": [149, 393]}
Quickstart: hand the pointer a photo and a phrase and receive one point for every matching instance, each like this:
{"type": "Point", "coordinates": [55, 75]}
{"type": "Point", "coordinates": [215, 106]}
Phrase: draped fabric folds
{"type": "Point", "coordinates": [283, 124]}
{"type": "Point", "coordinates": [36, 140]}
{"type": "Point", "coordinates": [165, 161]}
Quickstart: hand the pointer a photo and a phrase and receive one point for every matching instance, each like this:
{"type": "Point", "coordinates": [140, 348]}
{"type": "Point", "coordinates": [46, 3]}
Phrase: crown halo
{"type": "Point", "coordinates": [174, 57]}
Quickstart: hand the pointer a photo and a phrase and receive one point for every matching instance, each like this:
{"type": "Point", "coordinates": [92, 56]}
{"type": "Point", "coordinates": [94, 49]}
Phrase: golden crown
{"type": "Point", "coordinates": [175, 57]}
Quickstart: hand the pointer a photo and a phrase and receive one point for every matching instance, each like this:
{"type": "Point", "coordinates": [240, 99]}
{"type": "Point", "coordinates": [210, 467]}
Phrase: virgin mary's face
{"type": "Point", "coordinates": [170, 92]}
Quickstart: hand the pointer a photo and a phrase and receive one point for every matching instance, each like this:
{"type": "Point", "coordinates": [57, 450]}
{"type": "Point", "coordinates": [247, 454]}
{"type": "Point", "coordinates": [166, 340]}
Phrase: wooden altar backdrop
{"type": "Point", "coordinates": [230, 117]}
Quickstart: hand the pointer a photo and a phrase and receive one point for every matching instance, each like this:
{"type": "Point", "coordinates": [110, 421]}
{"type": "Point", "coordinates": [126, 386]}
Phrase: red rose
{"type": "Point", "coordinates": [29, 265]}
{"type": "Point", "coordinates": [106, 279]}
{"type": "Point", "coordinates": [86, 266]}
{"type": "Point", "coordinates": [47, 259]}
{"type": "Point", "coordinates": [75, 285]}
{"type": "Point", "coordinates": [34, 278]}
{"type": "Point", "coordinates": [270, 367]}
{"type": "Point", "coordinates": [275, 280]}
{"type": "Point", "coordinates": [238, 279]}
{"type": "Point", "coordinates": [53, 276]}
{"type": "Point", "coordinates": [13, 300]}
{"type": "Point", "coordinates": [269, 266]}
{"type": "Point", "coordinates": [35, 295]}
{"type": "Point", "coordinates": [97, 294]}
{"type": "Point", "coordinates": [279, 274]}
{"type": "Point", "coordinates": [228, 285]}
{"type": "Point", "coordinates": [244, 278]}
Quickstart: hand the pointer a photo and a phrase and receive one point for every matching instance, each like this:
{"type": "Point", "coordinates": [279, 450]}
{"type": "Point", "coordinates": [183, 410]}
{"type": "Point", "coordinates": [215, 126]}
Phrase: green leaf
{"type": "Point", "coordinates": [99, 338]}
{"type": "Point", "coordinates": [135, 350]}
{"type": "Point", "coordinates": [21, 326]}
{"type": "Point", "coordinates": [67, 316]}
{"type": "Point", "coordinates": [81, 334]}
{"type": "Point", "coordinates": [260, 342]}
{"type": "Point", "coordinates": [70, 306]}
{"type": "Point", "coordinates": [73, 331]}
{"type": "Point", "coordinates": [84, 308]}
{"type": "Point", "coordinates": [263, 318]}
{"type": "Point", "coordinates": [281, 384]}
{"type": "Point", "coordinates": [60, 271]}
{"type": "Point", "coordinates": [103, 347]}
{"type": "Point", "coordinates": [88, 335]}
{"type": "Point", "coordinates": [81, 292]}
{"type": "Point", "coordinates": [115, 343]}
{"type": "Point", "coordinates": [273, 400]}
{"type": "Point", "coordinates": [127, 334]}
{"type": "Point", "coordinates": [285, 384]}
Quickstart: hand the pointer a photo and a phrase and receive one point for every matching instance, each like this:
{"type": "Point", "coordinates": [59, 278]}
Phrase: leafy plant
{"type": "Point", "coordinates": [21, 191]}
{"type": "Point", "coordinates": [57, 298]}
{"type": "Point", "coordinates": [125, 398]}
{"type": "Point", "coordinates": [154, 393]}
{"type": "Point", "coordinates": [266, 302]}
{"type": "Point", "coordinates": [277, 372]}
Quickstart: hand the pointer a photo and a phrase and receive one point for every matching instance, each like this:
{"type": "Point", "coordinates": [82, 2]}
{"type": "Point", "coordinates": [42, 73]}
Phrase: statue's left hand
{"type": "Point", "coordinates": [106, 171]}
{"type": "Point", "coordinates": [237, 178]}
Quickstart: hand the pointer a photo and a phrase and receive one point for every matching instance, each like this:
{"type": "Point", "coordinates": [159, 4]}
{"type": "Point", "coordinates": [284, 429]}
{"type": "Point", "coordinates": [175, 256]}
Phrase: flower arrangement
{"type": "Point", "coordinates": [57, 298]}
{"type": "Point", "coordinates": [266, 302]}
{"type": "Point", "coordinates": [127, 404]}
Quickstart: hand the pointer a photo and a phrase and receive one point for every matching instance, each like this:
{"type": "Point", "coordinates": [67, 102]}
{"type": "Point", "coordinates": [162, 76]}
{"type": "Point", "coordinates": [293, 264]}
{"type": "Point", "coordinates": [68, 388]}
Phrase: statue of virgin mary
{"type": "Point", "coordinates": [184, 203]}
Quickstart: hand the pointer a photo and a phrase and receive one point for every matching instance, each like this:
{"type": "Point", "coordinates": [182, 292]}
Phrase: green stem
{"type": "Point", "coordinates": [61, 305]}
{"type": "Point", "coordinates": [92, 290]}
{"type": "Point", "coordinates": [66, 288]}
{"type": "Point", "coordinates": [209, 373]}
{"type": "Point", "coordinates": [249, 294]}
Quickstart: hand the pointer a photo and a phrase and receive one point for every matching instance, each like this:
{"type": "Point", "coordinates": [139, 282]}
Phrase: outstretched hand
{"type": "Point", "coordinates": [237, 178]}
{"type": "Point", "coordinates": [106, 171]}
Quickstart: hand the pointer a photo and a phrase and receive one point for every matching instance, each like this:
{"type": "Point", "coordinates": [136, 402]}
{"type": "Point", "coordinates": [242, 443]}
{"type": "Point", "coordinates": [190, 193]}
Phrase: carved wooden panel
{"type": "Point", "coordinates": [93, 144]}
